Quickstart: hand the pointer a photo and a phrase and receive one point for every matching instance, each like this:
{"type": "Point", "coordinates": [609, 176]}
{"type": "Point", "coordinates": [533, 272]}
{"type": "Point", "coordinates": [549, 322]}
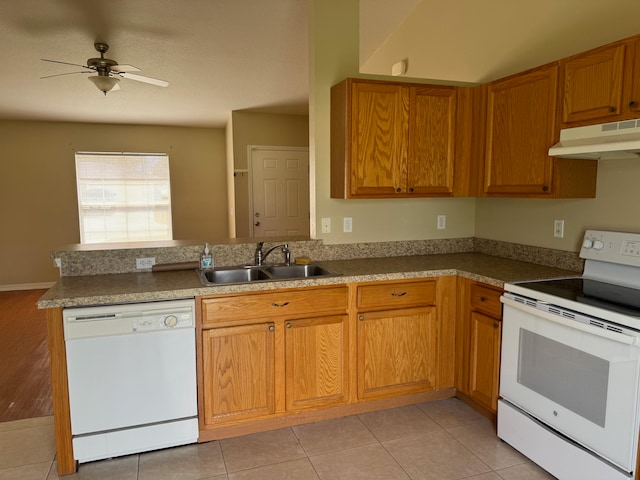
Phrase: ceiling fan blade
{"type": "Point", "coordinates": [124, 68]}
{"type": "Point", "coordinates": [68, 73]}
{"type": "Point", "coordinates": [64, 63]}
{"type": "Point", "coordinates": [140, 78]}
{"type": "Point", "coordinates": [115, 87]}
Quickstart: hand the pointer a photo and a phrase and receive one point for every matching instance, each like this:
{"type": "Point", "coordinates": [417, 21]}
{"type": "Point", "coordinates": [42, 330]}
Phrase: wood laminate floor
{"type": "Point", "coordinates": [25, 379]}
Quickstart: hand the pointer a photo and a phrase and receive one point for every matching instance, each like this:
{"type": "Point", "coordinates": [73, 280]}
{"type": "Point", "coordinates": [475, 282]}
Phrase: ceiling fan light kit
{"type": "Point", "coordinates": [104, 83]}
{"type": "Point", "coordinates": [109, 71]}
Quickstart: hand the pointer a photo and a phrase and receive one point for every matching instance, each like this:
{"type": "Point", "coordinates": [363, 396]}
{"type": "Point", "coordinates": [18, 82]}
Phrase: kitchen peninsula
{"type": "Point", "coordinates": [358, 314]}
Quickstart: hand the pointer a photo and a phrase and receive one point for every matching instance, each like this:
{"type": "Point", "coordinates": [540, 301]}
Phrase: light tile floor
{"type": "Point", "coordinates": [444, 439]}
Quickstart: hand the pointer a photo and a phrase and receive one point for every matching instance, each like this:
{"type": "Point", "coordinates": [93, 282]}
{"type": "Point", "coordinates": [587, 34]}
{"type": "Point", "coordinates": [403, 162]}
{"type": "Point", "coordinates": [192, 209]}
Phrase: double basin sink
{"type": "Point", "coordinates": [232, 275]}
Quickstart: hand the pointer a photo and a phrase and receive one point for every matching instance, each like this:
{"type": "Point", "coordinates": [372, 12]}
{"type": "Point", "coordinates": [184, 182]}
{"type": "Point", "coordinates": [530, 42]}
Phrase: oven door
{"type": "Point", "coordinates": [579, 379]}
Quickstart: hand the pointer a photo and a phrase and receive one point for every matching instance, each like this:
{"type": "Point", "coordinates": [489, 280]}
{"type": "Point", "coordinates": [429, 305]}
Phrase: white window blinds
{"type": "Point", "coordinates": [123, 197]}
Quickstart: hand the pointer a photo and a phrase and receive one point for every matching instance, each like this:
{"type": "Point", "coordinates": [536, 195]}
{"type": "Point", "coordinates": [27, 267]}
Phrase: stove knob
{"type": "Point", "coordinates": [588, 243]}
{"type": "Point", "coordinates": [598, 245]}
{"type": "Point", "coordinates": [170, 321]}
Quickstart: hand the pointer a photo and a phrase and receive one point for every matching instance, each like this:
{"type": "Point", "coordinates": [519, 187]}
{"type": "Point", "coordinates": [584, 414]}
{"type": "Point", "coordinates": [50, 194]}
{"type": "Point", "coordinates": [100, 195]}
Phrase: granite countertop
{"type": "Point", "coordinates": [149, 286]}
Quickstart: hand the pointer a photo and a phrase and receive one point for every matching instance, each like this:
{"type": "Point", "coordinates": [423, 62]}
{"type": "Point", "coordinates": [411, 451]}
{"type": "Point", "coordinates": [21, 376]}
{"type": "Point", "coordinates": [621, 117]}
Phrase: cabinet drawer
{"type": "Point", "coordinates": [396, 295]}
{"type": "Point", "coordinates": [487, 300]}
{"type": "Point", "coordinates": [272, 304]}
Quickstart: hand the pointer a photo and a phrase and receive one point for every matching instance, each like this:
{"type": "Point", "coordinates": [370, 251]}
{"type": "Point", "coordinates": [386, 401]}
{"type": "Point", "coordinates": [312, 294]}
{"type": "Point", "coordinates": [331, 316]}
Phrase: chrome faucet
{"type": "Point", "coordinates": [260, 256]}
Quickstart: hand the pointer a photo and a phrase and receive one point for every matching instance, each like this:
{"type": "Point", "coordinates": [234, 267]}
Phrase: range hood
{"type": "Point", "coordinates": [595, 142]}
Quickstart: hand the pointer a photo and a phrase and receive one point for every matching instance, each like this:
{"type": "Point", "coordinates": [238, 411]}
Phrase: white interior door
{"type": "Point", "coordinates": [280, 191]}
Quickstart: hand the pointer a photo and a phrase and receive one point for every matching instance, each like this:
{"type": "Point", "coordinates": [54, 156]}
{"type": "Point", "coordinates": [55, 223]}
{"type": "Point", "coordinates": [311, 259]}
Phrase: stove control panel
{"type": "Point", "coordinates": [613, 247]}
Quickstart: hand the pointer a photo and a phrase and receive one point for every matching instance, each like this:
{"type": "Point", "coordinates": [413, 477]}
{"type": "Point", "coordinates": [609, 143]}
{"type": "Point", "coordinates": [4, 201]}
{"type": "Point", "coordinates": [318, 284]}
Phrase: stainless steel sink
{"type": "Point", "coordinates": [234, 275]}
{"type": "Point", "coordinates": [296, 271]}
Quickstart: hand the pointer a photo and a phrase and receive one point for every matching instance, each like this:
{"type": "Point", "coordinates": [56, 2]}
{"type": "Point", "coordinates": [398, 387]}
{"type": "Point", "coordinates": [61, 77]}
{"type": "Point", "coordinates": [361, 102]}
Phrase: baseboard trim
{"type": "Point", "coordinates": [27, 286]}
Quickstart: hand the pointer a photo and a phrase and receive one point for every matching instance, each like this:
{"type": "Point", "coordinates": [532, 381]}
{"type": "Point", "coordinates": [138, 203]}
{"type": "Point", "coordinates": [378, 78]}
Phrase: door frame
{"type": "Point", "coordinates": [250, 150]}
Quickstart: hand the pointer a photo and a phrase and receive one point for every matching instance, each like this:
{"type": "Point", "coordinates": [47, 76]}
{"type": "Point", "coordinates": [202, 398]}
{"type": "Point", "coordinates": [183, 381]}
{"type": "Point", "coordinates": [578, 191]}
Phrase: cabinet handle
{"type": "Point", "coordinates": [612, 109]}
{"type": "Point", "coordinates": [361, 317]}
{"type": "Point", "coordinates": [279, 304]}
{"type": "Point", "coordinates": [401, 294]}
{"type": "Point", "coordinates": [545, 188]}
{"type": "Point", "coordinates": [289, 325]}
{"type": "Point", "coordinates": [495, 326]}
{"type": "Point", "coordinates": [483, 299]}
{"type": "Point", "coordinates": [411, 190]}
{"type": "Point", "coordinates": [632, 103]}
{"type": "Point", "coordinates": [398, 190]}
{"type": "Point", "coordinates": [272, 328]}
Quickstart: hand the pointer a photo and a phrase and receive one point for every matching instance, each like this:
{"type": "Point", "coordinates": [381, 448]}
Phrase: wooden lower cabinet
{"type": "Point", "coordinates": [238, 367]}
{"type": "Point", "coordinates": [267, 354]}
{"type": "Point", "coordinates": [284, 357]}
{"type": "Point", "coordinates": [397, 352]}
{"type": "Point", "coordinates": [484, 360]}
{"type": "Point", "coordinates": [316, 358]}
{"type": "Point", "coordinates": [478, 342]}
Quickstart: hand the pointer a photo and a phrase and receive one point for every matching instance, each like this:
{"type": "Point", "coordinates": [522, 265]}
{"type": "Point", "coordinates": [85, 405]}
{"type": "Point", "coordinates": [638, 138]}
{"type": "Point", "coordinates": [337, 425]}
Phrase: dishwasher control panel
{"type": "Point", "coordinates": [162, 321]}
{"type": "Point", "coordinates": [122, 319]}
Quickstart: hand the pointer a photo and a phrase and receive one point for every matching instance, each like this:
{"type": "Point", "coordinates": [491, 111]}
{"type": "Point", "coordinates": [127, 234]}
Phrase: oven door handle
{"type": "Point", "coordinates": [598, 331]}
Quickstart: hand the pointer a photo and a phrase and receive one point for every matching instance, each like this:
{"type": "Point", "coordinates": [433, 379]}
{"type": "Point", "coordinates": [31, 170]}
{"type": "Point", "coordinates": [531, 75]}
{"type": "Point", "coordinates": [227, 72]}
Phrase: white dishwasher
{"type": "Point", "coordinates": [132, 377]}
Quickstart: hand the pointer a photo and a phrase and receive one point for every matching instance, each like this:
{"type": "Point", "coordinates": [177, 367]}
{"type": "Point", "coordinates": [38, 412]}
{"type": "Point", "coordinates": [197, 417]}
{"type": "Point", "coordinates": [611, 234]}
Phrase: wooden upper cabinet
{"type": "Point", "coordinates": [632, 78]}
{"type": "Point", "coordinates": [379, 122]}
{"type": "Point", "coordinates": [593, 85]}
{"type": "Point", "coordinates": [391, 139]}
{"type": "Point", "coordinates": [521, 113]}
{"type": "Point", "coordinates": [601, 85]}
{"type": "Point", "coordinates": [432, 128]}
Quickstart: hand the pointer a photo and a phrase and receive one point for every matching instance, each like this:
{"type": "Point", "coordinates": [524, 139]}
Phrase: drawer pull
{"type": "Point", "coordinates": [361, 318]}
{"type": "Point", "coordinates": [289, 325]}
{"type": "Point", "coordinates": [401, 294]}
{"type": "Point", "coordinates": [272, 328]}
{"type": "Point", "coordinates": [483, 299]}
{"type": "Point", "coordinates": [274, 304]}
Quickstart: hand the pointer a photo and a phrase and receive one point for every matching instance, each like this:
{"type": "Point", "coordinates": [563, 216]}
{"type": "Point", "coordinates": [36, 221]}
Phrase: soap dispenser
{"type": "Point", "coordinates": [206, 260]}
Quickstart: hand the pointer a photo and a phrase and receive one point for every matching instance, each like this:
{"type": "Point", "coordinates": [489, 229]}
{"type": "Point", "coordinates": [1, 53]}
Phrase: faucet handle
{"type": "Point", "coordinates": [287, 254]}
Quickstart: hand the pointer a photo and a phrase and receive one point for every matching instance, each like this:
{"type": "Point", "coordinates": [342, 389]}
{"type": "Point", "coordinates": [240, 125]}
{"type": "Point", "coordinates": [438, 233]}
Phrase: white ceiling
{"type": "Point", "coordinates": [226, 55]}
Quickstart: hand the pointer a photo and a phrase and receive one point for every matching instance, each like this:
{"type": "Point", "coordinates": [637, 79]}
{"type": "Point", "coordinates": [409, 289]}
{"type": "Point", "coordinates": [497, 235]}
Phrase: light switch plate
{"type": "Point", "coordinates": [442, 222]}
{"type": "Point", "coordinates": [347, 224]}
{"type": "Point", "coordinates": [326, 225]}
{"type": "Point", "coordinates": [558, 228]}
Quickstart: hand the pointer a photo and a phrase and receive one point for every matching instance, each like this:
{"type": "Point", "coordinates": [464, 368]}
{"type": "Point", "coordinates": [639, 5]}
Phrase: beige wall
{"type": "Point", "coordinates": [38, 200]}
{"type": "Point", "coordinates": [334, 54]}
{"type": "Point", "coordinates": [530, 221]}
{"type": "Point", "coordinates": [264, 129]}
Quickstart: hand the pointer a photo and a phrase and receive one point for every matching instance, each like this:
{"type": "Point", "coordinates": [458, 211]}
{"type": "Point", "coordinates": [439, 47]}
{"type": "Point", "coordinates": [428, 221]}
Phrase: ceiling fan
{"type": "Point", "coordinates": [108, 71]}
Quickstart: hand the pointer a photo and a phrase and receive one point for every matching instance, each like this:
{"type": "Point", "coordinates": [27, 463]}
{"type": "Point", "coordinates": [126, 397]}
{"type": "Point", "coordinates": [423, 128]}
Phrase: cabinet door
{"type": "Point", "coordinates": [238, 372]}
{"type": "Point", "coordinates": [379, 125]}
{"type": "Point", "coordinates": [632, 78]}
{"type": "Point", "coordinates": [432, 126]}
{"type": "Point", "coordinates": [521, 126]}
{"type": "Point", "coordinates": [316, 362]}
{"type": "Point", "coordinates": [484, 359]}
{"type": "Point", "coordinates": [397, 352]}
{"type": "Point", "coordinates": [593, 85]}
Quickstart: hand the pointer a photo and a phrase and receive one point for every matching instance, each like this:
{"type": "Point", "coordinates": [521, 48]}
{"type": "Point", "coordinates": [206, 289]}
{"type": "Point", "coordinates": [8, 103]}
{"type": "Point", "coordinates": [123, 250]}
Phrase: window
{"type": "Point", "coordinates": [123, 197]}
